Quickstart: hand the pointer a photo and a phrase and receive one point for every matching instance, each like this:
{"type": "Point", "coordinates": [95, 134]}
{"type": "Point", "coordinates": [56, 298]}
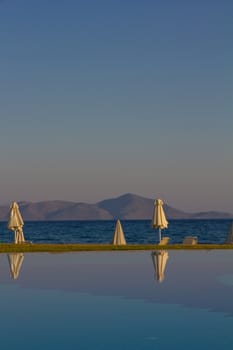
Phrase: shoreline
{"type": "Point", "coordinates": [60, 248]}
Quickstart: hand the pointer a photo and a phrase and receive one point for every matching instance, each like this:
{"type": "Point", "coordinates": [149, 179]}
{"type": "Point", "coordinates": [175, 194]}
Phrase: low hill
{"type": "Point", "coordinates": [126, 207]}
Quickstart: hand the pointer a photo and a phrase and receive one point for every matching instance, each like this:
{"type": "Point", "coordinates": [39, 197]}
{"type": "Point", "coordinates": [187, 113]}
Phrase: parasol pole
{"type": "Point", "coordinates": [159, 234]}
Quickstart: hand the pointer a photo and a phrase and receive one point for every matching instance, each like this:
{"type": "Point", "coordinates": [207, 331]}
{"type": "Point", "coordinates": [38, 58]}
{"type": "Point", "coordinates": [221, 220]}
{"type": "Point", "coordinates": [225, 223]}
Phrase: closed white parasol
{"type": "Point", "coordinates": [159, 219]}
{"type": "Point", "coordinates": [118, 237]}
{"type": "Point", "coordinates": [16, 223]}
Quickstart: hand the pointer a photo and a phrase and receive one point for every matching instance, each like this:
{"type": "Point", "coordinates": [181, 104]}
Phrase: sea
{"type": "Point", "coordinates": [135, 231]}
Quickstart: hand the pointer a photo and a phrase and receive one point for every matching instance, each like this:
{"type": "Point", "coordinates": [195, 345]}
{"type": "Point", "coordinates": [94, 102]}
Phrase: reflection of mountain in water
{"type": "Point", "coordinates": [15, 262]}
{"type": "Point", "coordinates": [159, 258]}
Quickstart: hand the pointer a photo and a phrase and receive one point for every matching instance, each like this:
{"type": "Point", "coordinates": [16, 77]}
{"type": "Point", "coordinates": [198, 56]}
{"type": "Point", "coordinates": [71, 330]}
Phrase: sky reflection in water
{"type": "Point", "coordinates": [109, 293]}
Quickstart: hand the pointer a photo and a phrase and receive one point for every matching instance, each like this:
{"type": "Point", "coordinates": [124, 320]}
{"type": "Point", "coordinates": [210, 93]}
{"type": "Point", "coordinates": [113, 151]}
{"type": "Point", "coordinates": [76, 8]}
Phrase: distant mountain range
{"type": "Point", "coordinates": [128, 206]}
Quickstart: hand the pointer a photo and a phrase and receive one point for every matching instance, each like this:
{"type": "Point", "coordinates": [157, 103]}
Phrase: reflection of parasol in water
{"type": "Point", "coordinates": [159, 258]}
{"type": "Point", "coordinates": [15, 262]}
{"type": "Point", "coordinates": [118, 237]}
{"type": "Point", "coordinates": [16, 223]}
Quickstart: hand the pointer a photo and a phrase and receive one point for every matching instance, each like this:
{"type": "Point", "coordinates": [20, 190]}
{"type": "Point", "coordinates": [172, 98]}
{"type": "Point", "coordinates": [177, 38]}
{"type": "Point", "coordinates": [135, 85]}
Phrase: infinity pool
{"type": "Point", "coordinates": [117, 300]}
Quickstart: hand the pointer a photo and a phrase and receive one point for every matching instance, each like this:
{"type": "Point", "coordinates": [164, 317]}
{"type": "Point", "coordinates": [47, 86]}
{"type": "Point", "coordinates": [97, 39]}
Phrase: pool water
{"type": "Point", "coordinates": [117, 300]}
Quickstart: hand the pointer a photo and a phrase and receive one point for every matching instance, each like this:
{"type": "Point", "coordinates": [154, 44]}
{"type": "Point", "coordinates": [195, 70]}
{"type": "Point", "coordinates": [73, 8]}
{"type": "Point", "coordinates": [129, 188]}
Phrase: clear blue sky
{"type": "Point", "coordinates": [100, 98]}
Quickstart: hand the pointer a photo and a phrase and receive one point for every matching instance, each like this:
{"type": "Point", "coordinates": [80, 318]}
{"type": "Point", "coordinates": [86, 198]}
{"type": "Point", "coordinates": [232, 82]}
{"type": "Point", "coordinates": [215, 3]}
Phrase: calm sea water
{"type": "Point", "coordinates": [136, 231]}
{"type": "Point", "coordinates": [114, 300]}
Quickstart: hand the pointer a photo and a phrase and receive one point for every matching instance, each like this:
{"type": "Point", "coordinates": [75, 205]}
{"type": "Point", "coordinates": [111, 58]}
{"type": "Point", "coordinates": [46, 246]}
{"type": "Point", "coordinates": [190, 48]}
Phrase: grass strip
{"type": "Point", "coordinates": [59, 248]}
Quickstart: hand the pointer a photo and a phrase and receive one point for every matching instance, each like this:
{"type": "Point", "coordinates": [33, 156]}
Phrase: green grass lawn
{"type": "Point", "coordinates": [28, 247]}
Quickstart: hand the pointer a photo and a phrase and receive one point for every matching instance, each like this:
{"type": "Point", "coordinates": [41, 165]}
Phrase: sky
{"type": "Point", "coordinates": [101, 98]}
